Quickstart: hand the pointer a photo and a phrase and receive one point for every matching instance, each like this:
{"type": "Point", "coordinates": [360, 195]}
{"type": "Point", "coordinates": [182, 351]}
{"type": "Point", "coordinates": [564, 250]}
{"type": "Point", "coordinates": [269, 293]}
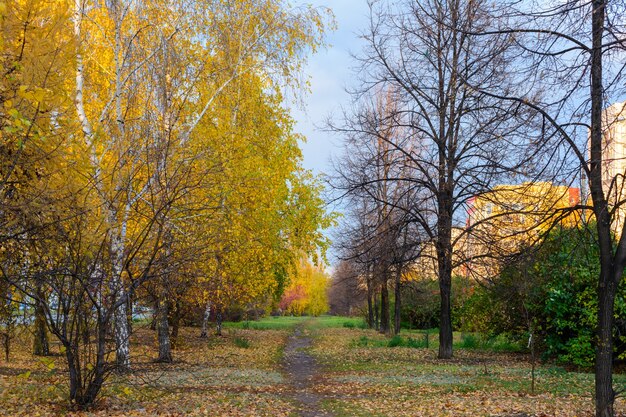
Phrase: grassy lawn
{"type": "Point", "coordinates": [364, 376]}
{"type": "Point", "coordinates": [360, 374]}
{"type": "Point", "coordinates": [287, 323]}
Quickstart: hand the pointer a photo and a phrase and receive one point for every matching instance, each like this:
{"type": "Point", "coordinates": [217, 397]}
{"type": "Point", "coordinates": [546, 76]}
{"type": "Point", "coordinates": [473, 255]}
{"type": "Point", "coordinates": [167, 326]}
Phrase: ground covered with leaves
{"type": "Point", "coordinates": [356, 373]}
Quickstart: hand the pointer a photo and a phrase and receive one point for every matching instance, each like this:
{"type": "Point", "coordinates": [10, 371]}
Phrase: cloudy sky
{"type": "Point", "coordinates": [330, 71]}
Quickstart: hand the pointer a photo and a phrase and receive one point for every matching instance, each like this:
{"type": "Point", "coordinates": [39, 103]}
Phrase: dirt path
{"type": "Point", "coordinates": [301, 370]}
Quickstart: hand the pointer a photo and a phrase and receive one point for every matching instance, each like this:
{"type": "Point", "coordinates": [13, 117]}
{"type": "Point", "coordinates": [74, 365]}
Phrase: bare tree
{"type": "Point", "coordinates": [454, 142]}
{"type": "Point", "coordinates": [347, 294]}
{"type": "Point", "coordinates": [571, 58]}
{"type": "Point", "coordinates": [371, 176]}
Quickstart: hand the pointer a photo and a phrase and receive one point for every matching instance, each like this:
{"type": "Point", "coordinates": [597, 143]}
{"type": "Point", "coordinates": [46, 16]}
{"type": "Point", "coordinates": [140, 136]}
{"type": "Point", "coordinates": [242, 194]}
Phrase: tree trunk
{"type": "Point", "coordinates": [444, 269]}
{"type": "Point", "coordinates": [444, 256]}
{"type": "Point", "coordinates": [7, 345]}
{"type": "Point", "coordinates": [122, 338]}
{"type": "Point", "coordinates": [218, 329]}
{"type": "Point", "coordinates": [205, 321]}
{"type": "Point", "coordinates": [121, 325]}
{"type": "Point", "coordinates": [80, 394]}
{"type": "Point", "coordinates": [41, 346]}
{"type": "Point", "coordinates": [155, 313]}
{"type": "Point", "coordinates": [385, 321]}
{"type": "Point", "coordinates": [397, 302]}
{"type": "Point", "coordinates": [611, 269]}
{"type": "Point", "coordinates": [376, 312]}
{"type": "Point", "coordinates": [74, 373]}
{"type": "Point", "coordinates": [129, 311]}
{"type": "Point", "coordinates": [175, 323]}
{"type": "Point", "coordinates": [605, 394]}
{"type": "Point", "coordinates": [445, 321]}
{"type": "Point", "coordinates": [165, 349]}
{"type": "Point", "coordinates": [370, 304]}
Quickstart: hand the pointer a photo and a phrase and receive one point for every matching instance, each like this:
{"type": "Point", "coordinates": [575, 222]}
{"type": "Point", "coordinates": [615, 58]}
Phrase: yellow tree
{"type": "Point", "coordinates": [307, 292]}
{"type": "Point", "coordinates": [35, 50]}
{"type": "Point", "coordinates": [147, 76]}
{"type": "Point", "coordinates": [268, 208]}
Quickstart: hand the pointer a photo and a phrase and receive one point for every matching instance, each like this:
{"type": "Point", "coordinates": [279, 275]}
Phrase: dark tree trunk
{"type": "Point", "coordinates": [155, 313]}
{"type": "Point", "coordinates": [370, 303]}
{"type": "Point", "coordinates": [445, 319]}
{"type": "Point", "coordinates": [7, 345]}
{"type": "Point", "coordinates": [163, 328]}
{"type": "Point", "coordinates": [385, 322]}
{"type": "Point", "coordinates": [444, 260]}
{"type": "Point", "coordinates": [41, 346]}
{"type": "Point", "coordinates": [129, 310]}
{"type": "Point", "coordinates": [80, 394]}
{"type": "Point", "coordinates": [218, 318]}
{"type": "Point", "coordinates": [610, 268]}
{"type": "Point", "coordinates": [73, 367]}
{"type": "Point", "coordinates": [376, 311]}
{"type": "Point", "coordinates": [605, 394]}
{"type": "Point", "coordinates": [397, 308]}
{"type": "Point", "coordinates": [175, 323]}
{"type": "Point", "coordinates": [443, 244]}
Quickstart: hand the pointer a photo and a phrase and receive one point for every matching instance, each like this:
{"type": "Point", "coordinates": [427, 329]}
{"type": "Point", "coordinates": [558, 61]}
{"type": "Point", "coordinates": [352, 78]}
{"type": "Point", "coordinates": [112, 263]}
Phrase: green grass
{"type": "Point", "coordinates": [480, 342]}
{"type": "Point", "coordinates": [395, 341]}
{"type": "Point", "coordinates": [288, 323]}
{"type": "Point", "coordinates": [267, 323]}
{"type": "Point", "coordinates": [328, 322]}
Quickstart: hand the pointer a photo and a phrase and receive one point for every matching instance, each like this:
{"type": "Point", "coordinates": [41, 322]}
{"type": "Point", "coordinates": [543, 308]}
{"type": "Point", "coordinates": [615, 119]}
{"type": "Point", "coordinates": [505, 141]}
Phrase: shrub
{"type": "Point", "coordinates": [469, 341]}
{"type": "Point", "coordinates": [395, 341]}
{"type": "Point", "coordinates": [416, 343]}
{"type": "Point", "coordinates": [551, 290]}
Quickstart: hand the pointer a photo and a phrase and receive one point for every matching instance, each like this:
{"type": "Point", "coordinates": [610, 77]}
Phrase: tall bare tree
{"type": "Point", "coordinates": [571, 61]}
{"type": "Point", "coordinates": [371, 175]}
{"type": "Point", "coordinates": [455, 142]}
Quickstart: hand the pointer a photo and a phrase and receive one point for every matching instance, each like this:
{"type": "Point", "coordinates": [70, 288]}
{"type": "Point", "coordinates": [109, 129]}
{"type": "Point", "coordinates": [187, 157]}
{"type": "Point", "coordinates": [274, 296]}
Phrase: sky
{"type": "Point", "coordinates": [330, 71]}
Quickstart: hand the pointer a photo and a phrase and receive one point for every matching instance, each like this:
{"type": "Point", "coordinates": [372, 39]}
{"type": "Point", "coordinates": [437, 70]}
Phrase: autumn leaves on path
{"type": "Point", "coordinates": [301, 370]}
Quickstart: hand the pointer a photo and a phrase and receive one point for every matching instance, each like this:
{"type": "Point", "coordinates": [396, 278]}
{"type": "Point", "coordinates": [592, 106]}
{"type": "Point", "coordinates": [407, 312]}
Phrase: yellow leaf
{"type": "Point", "coordinates": [24, 375]}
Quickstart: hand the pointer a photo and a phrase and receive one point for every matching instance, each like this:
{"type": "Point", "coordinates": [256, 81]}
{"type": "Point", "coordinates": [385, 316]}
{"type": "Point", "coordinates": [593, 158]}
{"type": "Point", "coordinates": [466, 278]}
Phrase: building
{"type": "Point", "coordinates": [614, 160]}
{"type": "Point", "coordinates": [503, 221]}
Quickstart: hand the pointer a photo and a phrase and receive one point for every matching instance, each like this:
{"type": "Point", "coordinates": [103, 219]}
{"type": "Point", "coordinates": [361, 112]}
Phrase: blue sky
{"type": "Point", "coordinates": [330, 71]}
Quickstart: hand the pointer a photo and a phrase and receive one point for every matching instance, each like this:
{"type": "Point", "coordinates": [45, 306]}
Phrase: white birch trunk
{"type": "Point", "coordinates": [205, 321]}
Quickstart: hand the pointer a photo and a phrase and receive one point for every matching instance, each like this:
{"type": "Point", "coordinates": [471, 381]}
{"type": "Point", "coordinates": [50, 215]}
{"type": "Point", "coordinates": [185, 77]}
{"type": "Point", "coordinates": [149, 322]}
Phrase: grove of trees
{"type": "Point", "coordinates": [148, 162]}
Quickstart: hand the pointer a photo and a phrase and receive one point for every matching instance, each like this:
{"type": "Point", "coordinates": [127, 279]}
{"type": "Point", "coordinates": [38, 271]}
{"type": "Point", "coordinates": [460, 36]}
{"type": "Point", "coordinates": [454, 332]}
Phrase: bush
{"type": "Point", "coordinates": [550, 289]}
{"type": "Point", "coordinates": [469, 341]}
{"type": "Point", "coordinates": [416, 343]}
{"type": "Point", "coordinates": [395, 341]}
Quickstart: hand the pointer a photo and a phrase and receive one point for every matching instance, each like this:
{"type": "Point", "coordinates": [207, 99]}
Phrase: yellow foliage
{"type": "Point", "coordinates": [307, 292]}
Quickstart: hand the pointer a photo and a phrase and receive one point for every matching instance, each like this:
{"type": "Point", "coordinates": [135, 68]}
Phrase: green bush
{"type": "Point", "coordinates": [416, 343]}
{"type": "Point", "coordinates": [363, 341]}
{"type": "Point", "coordinates": [469, 341]}
{"type": "Point", "coordinates": [551, 291]}
{"type": "Point", "coordinates": [395, 341]}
